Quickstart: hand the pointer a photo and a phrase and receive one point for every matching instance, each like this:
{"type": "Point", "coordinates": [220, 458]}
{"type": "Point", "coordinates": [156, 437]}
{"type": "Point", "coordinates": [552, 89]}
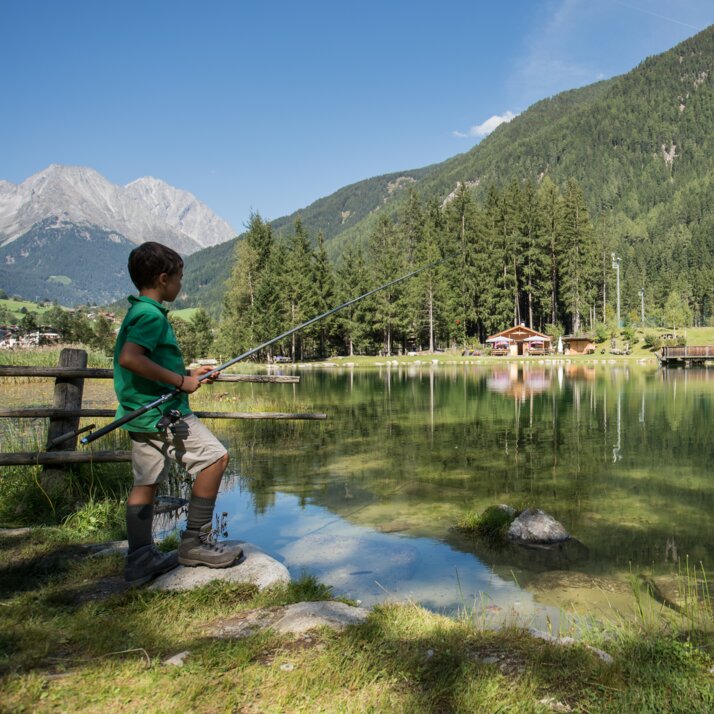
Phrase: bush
{"type": "Point", "coordinates": [653, 341]}
{"type": "Point", "coordinates": [493, 523]}
{"type": "Point", "coordinates": [95, 518]}
{"type": "Point", "coordinates": [629, 333]}
{"type": "Point", "coordinates": [602, 332]}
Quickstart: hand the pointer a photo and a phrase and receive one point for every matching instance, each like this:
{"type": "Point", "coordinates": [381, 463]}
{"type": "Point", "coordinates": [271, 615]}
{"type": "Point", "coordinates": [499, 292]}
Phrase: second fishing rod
{"type": "Point", "coordinates": [254, 350]}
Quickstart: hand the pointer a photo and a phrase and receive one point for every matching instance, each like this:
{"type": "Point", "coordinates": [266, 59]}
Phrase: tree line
{"type": "Point", "coordinates": [525, 254]}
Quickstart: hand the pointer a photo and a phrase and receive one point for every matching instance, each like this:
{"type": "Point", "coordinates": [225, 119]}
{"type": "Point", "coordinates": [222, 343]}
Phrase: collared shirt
{"type": "Point", "coordinates": [146, 324]}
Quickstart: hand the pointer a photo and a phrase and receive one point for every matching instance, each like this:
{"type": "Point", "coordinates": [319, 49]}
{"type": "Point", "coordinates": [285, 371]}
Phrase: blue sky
{"type": "Point", "coordinates": [269, 106]}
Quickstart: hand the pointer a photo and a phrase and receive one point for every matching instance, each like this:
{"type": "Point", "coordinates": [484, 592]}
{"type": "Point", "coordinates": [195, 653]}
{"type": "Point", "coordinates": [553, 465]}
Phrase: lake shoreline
{"type": "Point", "coordinates": [77, 644]}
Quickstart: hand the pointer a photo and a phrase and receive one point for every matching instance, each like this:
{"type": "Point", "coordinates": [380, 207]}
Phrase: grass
{"type": "Point", "coordinates": [48, 357]}
{"type": "Point", "coordinates": [62, 648]}
{"type": "Point", "coordinates": [15, 307]}
{"type": "Point", "coordinates": [493, 523]}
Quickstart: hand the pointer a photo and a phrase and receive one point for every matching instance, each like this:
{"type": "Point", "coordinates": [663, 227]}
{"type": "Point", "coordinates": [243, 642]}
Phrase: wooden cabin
{"type": "Point", "coordinates": [578, 345]}
{"type": "Point", "coordinates": [519, 340]}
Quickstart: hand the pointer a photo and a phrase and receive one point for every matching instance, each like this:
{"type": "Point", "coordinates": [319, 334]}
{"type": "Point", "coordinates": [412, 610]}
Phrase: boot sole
{"type": "Point", "coordinates": [194, 562]}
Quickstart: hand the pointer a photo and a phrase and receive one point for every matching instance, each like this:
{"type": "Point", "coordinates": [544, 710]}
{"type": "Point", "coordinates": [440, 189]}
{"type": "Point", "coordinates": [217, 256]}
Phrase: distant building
{"type": "Point", "coordinates": [519, 340]}
{"type": "Point", "coordinates": [578, 345]}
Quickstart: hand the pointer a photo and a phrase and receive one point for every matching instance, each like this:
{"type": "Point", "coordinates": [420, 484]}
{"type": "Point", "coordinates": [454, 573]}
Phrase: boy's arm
{"type": "Point", "coordinates": [134, 358]}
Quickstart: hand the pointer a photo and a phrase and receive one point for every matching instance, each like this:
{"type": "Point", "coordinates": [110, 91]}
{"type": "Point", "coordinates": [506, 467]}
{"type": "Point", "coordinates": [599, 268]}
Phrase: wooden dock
{"type": "Point", "coordinates": [686, 356]}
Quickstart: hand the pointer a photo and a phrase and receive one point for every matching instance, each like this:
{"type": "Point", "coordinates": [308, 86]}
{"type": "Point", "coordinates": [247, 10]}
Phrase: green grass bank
{"type": "Point", "coordinates": [67, 645]}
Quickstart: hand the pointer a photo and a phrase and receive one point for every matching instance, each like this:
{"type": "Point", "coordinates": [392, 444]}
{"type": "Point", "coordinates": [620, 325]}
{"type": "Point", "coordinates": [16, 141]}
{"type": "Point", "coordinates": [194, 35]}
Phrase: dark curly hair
{"type": "Point", "coordinates": [149, 260]}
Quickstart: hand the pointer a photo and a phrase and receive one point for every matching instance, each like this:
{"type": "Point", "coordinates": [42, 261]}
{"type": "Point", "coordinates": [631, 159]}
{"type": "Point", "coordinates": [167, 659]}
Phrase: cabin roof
{"type": "Point", "coordinates": [519, 333]}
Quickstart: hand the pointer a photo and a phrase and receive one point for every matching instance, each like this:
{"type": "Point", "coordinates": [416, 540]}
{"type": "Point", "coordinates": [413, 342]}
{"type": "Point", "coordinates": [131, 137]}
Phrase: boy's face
{"type": "Point", "coordinates": [170, 285]}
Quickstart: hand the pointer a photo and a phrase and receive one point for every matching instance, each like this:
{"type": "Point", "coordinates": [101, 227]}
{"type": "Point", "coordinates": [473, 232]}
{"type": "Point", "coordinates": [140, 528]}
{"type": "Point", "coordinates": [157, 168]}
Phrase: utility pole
{"type": "Point", "coordinates": [642, 305]}
{"type": "Point", "coordinates": [616, 267]}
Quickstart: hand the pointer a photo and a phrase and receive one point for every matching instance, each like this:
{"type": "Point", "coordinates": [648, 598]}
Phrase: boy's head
{"type": "Point", "coordinates": [149, 260]}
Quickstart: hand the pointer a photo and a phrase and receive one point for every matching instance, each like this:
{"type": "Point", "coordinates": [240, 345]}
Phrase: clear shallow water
{"type": "Point", "coordinates": [367, 501]}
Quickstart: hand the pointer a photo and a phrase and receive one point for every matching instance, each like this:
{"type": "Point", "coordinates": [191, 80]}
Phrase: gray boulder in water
{"type": "Point", "coordinates": [536, 526]}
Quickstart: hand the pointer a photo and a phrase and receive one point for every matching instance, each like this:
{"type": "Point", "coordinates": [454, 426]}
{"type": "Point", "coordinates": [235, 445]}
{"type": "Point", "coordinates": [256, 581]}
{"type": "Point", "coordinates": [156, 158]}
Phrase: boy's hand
{"type": "Point", "coordinates": [203, 369]}
{"type": "Point", "coordinates": [190, 384]}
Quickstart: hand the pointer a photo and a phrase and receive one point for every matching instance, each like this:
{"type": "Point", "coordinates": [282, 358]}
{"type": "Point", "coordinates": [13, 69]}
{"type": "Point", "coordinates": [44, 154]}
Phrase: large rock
{"type": "Point", "coordinates": [257, 568]}
{"type": "Point", "coordinates": [536, 526]}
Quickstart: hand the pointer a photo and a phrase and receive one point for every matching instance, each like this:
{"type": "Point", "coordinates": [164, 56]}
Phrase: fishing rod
{"type": "Point", "coordinates": [174, 392]}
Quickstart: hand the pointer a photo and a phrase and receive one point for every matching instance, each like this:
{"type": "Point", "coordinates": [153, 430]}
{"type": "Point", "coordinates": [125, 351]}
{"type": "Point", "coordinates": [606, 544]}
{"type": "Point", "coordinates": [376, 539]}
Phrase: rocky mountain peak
{"type": "Point", "coordinates": [145, 209]}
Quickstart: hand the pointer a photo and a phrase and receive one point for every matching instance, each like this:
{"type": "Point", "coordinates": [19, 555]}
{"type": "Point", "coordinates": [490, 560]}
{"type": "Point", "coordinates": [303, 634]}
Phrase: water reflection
{"type": "Point", "coordinates": [620, 455]}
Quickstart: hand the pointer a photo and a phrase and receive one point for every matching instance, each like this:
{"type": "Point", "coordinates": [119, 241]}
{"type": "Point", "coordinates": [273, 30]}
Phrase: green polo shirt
{"type": "Point", "coordinates": [146, 324]}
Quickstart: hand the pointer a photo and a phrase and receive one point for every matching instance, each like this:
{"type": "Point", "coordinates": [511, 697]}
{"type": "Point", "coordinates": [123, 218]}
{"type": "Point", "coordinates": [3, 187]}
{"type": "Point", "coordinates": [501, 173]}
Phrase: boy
{"type": "Point", "coordinates": [148, 364]}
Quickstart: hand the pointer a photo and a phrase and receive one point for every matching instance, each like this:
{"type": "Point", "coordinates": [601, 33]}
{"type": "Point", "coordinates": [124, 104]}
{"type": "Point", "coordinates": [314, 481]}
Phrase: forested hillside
{"type": "Point", "coordinates": [638, 150]}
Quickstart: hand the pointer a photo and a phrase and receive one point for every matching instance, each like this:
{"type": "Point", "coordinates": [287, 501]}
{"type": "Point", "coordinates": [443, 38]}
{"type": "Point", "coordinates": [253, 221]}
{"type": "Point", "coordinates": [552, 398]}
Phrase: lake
{"type": "Point", "coordinates": [367, 500]}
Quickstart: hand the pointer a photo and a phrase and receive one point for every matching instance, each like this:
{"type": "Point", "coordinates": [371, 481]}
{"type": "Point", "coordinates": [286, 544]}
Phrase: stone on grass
{"type": "Point", "coordinates": [177, 660]}
{"type": "Point", "coordinates": [256, 568]}
{"type": "Point", "coordinates": [304, 616]}
{"type": "Point", "coordinates": [567, 641]}
{"type": "Point", "coordinates": [536, 526]}
{"type": "Point", "coordinates": [99, 550]}
{"type": "Point", "coordinates": [15, 532]}
{"type": "Point", "coordinates": [296, 619]}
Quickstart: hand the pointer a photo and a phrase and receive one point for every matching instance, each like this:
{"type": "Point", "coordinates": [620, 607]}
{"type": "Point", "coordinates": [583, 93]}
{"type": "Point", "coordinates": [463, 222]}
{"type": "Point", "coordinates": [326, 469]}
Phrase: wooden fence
{"type": "Point", "coordinates": [67, 410]}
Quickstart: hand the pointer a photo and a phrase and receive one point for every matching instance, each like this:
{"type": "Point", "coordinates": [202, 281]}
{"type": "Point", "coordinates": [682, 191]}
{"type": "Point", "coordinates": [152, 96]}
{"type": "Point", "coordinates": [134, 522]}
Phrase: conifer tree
{"type": "Point", "coordinates": [499, 279]}
{"type": "Point", "coordinates": [299, 287]}
{"type": "Point", "coordinates": [202, 329]}
{"type": "Point", "coordinates": [578, 264]}
{"type": "Point", "coordinates": [548, 280]}
{"type": "Point", "coordinates": [465, 236]}
{"type": "Point", "coordinates": [430, 287]}
{"type": "Point", "coordinates": [271, 303]}
{"type": "Point", "coordinates": [237, 330]}
{"type": "Point", "coordinates": [533, 257]}
{"type": "Point", "coordinates": [387, 263]}
{"type": "Point", "coordinates": [323, 284]}
{"type": "Point", "coordinates": [352, 279]}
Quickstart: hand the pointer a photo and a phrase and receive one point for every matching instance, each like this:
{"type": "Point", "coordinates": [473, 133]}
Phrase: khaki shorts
{"type": "Point", "coordinates": [193, 447]}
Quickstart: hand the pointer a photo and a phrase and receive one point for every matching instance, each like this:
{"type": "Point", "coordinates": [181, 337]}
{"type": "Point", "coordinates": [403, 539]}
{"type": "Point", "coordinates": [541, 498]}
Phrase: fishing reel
{"type": "Point", "coordinates": [169, 421]}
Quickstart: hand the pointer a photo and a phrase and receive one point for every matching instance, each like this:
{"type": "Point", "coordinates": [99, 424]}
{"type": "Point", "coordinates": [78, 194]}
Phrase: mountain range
{"type": "Point", "coordinates": [641, 146]}
{"type": "Point", "coordinates": [66, 232]}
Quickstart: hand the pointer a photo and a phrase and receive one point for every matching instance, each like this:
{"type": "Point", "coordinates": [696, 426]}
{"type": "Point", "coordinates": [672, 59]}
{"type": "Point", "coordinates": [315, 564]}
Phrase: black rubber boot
{"type": "Point", "coordinates": [146, 563]}
{"type": "Point", "coordinates": [199, 548]}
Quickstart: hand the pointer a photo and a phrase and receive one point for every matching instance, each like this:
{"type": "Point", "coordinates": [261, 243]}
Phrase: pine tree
{"type": "Point", "coordinates": [465, 237]}
{"type": "Point", "coordinates": [202, 328]}
{"type": "Point", "coordinates": [578, 269]}
{"type": "Point", "coordinates": [499, 282]}
{"type": "Point", "coordinates": [430, 287]}
{"type": "Point", "coordinates": [323, 284]}
{"type": "Point", "coordinates": [387, 263]}
{"type": "Point", "coordinates": [237, 330]}
{"type": "Point", "coordinates": [271, 302]}
{"type": "Point", "coordinates": [299, 287]}
{"type": "Point", "coordinates": [534, 262]}
{"type": "Point", "coordinates": [548, 280]}
{"type": "Point", "coordinates": [352, 280]}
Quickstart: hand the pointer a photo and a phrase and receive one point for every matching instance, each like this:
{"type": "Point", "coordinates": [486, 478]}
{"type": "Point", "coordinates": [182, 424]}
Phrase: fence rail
{"type": "Point", "coordinates": [67, 410]}
{"type": "Point", "coordinates": [101, 373]}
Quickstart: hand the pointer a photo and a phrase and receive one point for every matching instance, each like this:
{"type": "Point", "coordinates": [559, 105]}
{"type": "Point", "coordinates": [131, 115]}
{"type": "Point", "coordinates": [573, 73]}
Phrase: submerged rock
{"type": "Point", "coordinates": [534, 526]}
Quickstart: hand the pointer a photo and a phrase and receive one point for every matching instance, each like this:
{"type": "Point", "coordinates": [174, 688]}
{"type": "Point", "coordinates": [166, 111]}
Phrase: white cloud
{"type": "Point", "coordinates": [481, 130]}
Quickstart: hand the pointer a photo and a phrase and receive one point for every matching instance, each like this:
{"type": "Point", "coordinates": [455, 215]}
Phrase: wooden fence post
{"type": "Point", "coordinates": [68, 395]}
